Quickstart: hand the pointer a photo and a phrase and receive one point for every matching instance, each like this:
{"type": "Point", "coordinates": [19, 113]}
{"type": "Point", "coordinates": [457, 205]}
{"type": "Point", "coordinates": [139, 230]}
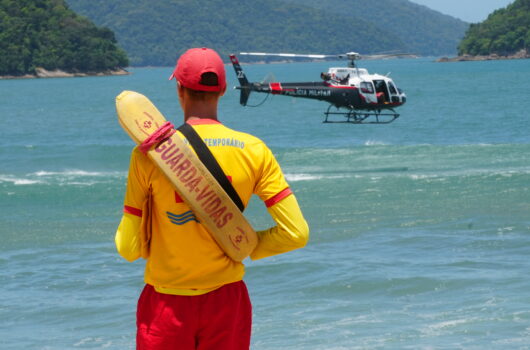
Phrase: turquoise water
{"type": "Point", "coordinates": [420, 229]}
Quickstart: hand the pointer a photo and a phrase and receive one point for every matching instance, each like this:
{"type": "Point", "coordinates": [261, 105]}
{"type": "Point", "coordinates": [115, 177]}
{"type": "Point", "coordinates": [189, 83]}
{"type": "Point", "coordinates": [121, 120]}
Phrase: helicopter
{"type": "Point", "coordinates": [357, 96]}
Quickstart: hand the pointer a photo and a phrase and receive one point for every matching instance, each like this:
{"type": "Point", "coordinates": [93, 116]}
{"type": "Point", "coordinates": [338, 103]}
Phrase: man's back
{"type": "Point", "coordinates": [179, 242]}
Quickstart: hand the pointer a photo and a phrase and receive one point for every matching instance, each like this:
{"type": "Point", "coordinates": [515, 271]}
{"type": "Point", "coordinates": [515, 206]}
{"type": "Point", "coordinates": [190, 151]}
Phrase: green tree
{"type": "Point", "coordinates": [156, 32]}
{"type": "Point", "coordinates": [47, 34]}
{"type": "Point", "coordinates": [505, 31]}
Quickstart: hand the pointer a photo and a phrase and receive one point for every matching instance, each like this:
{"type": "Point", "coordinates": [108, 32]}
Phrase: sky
{"type": "Point", "coordinates": [472, 11]}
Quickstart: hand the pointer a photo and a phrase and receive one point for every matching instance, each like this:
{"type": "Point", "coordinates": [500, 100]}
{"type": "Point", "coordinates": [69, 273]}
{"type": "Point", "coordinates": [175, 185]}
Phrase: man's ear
{"type": "Point", "coordinates": [221, 93]}
{"type": "Point", "coordinates": [180, 90]}
{"type": "Point", "coordinates": [181, 93]}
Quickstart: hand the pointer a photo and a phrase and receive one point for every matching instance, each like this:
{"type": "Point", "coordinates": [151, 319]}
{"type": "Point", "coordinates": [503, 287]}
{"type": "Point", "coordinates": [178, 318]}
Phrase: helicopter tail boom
{"type": "Point", "coordinates": [243, 81]}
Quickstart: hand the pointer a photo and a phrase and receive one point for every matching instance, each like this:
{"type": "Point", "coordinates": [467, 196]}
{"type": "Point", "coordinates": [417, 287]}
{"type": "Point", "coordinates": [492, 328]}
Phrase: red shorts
{"type": "Point", "coordinates": [219, 320]}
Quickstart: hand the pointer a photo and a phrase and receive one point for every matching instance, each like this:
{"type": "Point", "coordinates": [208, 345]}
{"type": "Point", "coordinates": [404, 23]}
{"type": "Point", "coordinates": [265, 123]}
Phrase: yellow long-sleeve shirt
{"type": "Point", "coordinates": [183, 258]}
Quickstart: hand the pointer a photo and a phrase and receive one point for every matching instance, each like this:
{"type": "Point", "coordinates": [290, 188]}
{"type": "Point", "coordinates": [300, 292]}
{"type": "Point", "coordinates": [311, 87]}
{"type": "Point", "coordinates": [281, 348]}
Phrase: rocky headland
{"type": "Point", "coordinates": [522, 54]}
{"type": "Point", "coordinates": [43, 73]}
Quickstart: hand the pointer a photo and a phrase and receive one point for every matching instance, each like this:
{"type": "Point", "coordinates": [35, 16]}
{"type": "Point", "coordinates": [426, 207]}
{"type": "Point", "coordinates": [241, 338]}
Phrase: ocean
{"type": "Point", "coordinates": [420, 229]}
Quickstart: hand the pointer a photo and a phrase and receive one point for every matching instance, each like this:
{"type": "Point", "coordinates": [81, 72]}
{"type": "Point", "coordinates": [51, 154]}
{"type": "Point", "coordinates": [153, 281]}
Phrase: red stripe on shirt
{"type": "Point", "coordinates": [132, 210]}
{"type": "Point", "coordinates": [278, 197]}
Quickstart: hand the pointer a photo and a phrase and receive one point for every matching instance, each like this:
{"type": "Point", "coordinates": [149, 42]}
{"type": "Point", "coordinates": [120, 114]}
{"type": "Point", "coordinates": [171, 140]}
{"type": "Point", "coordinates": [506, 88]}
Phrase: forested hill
{"type": "Point", "coordinates": [504, 32]}
{"type": "Point", "coordinates": [46, 34]}
{"type": "Point", "coordinates": [424, 31]}
{"type": "Point", "coordinates": [155, 32]}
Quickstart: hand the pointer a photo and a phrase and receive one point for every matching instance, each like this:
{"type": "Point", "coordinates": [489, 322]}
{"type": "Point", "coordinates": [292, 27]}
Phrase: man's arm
{"type": "Point", "coordinates": [128, 237]}
{"type": "Point", "coordinates": [291, 230]}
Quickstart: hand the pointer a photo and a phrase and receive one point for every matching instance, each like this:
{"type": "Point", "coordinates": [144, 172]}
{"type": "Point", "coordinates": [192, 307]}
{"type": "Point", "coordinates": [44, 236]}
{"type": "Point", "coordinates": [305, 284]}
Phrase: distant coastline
{"type": "Point", "coordinates": [43, 73]}
{"type": "Point", "coordinates": [523, 54]}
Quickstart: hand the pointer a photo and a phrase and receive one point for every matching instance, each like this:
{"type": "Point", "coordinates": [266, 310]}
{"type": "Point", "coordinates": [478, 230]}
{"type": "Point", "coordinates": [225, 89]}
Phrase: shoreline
{"type": "Point", "coordinates": [523, 54]}
{"type": "Point", "coordinates": [43, 73]}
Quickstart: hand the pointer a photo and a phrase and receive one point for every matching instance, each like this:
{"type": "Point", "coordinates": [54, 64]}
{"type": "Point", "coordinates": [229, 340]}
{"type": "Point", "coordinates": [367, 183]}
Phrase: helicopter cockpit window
{"type": "Point", "coordinates": [344, 80]}
{"type": "Point", "coordinates": [367, 87]}
{"type": "Point", "coordinates": [342, 76]}
{"type": "Point", "coordinates": [392, 88]}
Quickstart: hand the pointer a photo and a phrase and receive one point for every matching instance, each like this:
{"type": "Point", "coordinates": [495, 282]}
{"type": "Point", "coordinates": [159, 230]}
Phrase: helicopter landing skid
{"type": "Point", "coordinates": [359, 117]}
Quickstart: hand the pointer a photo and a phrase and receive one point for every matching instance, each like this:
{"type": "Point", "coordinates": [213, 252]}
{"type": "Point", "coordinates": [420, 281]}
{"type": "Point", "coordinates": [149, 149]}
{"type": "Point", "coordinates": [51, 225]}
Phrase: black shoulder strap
{"type": "Point", "coordinates": [209, 161]}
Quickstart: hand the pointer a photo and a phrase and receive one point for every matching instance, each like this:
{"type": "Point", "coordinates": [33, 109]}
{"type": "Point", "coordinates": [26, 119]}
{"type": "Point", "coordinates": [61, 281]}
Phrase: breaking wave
{"type": "Point", "coordinates": [66, 177]}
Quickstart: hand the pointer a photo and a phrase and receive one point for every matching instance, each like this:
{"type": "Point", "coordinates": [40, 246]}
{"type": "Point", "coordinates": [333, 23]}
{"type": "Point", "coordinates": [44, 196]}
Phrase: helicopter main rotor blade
{"type": "Point", "coordinates": [285, 55]}
{"type": "Point", "coordinates": [349, 55]}
{"type": "Point", "coordinates": [383, 56]}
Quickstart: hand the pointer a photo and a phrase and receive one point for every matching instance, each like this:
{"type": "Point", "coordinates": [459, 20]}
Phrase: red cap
{"type": "Point", "coordinates": [194, 63]}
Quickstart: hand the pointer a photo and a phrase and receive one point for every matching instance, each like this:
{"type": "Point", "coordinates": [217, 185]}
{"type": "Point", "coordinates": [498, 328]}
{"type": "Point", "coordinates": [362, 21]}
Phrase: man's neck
{"type": "Point", "coordinates": [200, 111]}
{"type": "Point", "coordinates": [194, 117]}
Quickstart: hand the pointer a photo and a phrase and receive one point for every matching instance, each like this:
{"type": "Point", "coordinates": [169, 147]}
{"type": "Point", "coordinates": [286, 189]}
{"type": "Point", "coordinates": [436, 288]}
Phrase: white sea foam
{"type": "Point", "coordinates": [100, 341]}
{"type": "Point", "coordinates": [66, 177]}
{"type": "Point", "coordinates": [71, 173]}
{"type": "Point", "coordinates": [422, 176]}
{"type": "Point", "coordinates": [444, 327]}
{"type": "Point", "coordinates": [82, 183]}
{"type": "Point", "coordinates": [468, 173]}
{"type": "Point", "coordinates": [302, 177]}
{"type": "Point", "coordinates": [18, 181]}
{"type": "Point", "coordinates": [311, 177]}
{"type": "Point", "coordinates": [448, 324]}
{"type": "Point", "coordinates": [375, 143]}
